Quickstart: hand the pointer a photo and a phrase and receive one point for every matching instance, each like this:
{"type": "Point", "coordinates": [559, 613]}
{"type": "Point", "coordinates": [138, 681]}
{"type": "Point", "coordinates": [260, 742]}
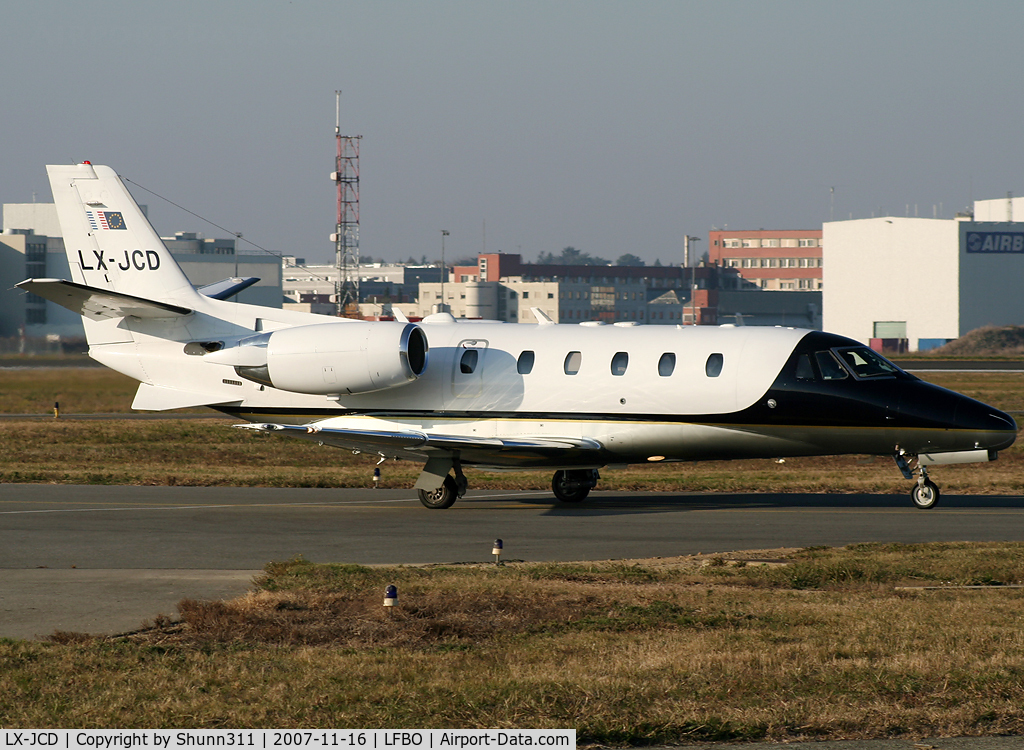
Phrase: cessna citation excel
{"type": "Point", "coordinates": [455, 394]}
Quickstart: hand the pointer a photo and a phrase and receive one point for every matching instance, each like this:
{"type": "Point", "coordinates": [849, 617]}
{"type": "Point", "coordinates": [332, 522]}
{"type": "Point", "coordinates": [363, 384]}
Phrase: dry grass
{"type": "Point", "coordinates": [639, 652]}
{"type": "Point", "coordinates": [987, 341]}
{"type": "Point", "coordinates": [80, 390]}
{"type": "Point", "coordinates": [211, 453]}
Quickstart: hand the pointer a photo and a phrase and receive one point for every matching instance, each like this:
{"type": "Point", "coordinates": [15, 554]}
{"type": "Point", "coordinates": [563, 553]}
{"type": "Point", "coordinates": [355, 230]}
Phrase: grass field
{"type": "Point", "coordinates": [211, 453]}
{"type": "Point", "coordinates": [819, 644]}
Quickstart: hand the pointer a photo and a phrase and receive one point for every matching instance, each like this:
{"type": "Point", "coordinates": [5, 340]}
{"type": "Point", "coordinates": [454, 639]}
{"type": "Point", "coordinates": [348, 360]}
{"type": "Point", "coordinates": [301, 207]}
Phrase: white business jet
{"type": "Point", "coordinates": [455, 394]}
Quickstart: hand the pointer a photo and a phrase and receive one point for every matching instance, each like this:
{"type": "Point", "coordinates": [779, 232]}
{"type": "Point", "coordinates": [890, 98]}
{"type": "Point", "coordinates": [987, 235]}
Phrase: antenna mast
{"type": "Point", "coordinates": [346, 235]}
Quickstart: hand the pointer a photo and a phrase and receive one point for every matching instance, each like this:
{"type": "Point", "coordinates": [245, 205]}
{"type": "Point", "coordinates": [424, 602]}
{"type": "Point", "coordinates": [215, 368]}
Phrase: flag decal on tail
{"type": "Point", "coordinates": [106, 220]}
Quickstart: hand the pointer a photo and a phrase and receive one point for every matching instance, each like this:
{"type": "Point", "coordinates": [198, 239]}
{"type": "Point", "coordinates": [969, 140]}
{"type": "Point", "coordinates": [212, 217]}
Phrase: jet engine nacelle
{"type": "Point", "coordinates": [332, 358]}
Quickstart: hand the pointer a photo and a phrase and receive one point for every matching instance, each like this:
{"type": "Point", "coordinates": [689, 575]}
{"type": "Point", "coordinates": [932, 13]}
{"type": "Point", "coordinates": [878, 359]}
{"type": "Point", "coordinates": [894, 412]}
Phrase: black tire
{"type": "Point", "coordinates": [571, 486]}
{"type": "Point", "coordinates": [925, 496]}
{"type": "Point", "coordinates": [443, 497]}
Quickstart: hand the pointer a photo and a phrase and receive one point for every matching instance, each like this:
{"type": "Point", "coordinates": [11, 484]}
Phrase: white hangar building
{"type": "Point", "coordinates": [909, 284]}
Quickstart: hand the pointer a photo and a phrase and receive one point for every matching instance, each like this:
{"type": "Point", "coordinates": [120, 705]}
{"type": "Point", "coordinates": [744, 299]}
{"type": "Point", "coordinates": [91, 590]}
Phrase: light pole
{"type": "Point", "coordinates": [444, 271]}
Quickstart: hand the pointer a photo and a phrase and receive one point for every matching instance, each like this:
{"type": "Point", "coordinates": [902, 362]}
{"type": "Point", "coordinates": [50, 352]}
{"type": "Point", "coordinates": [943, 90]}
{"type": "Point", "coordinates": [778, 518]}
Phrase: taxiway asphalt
{"type": "Point", "coordinates": [103, 559]}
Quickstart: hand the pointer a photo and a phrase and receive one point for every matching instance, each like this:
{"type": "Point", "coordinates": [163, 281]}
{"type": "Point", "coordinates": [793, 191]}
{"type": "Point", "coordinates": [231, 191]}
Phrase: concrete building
{"type": "Point", "coordinates": [193, 243]}
{"type": "Point", "coordinates": [502, 287]}
{"type": "Point", "coordinates": [999, 209]}
{"type": "Point", "coordinates": [311, 288]}
{"type": "Point", "coordinates": [912, 284]}
{"type": "Point", "coordinates": [786, 260]}
{"type": "Point", "coordinates": [509, 300]}
{"type": "Point", "coordinates": [202, 269]}
{"type": "Point", "coordinates": [756, 308]}
{"type": "Point", "coordinates": [41, 218]}
{"type": "Point", "coordinates": [23, 255]}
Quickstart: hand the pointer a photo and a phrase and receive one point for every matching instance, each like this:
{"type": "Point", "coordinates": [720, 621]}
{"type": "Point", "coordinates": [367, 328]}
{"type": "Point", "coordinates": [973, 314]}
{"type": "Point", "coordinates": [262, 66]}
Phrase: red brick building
{"type": "Point", "coordinates": [773, 259]}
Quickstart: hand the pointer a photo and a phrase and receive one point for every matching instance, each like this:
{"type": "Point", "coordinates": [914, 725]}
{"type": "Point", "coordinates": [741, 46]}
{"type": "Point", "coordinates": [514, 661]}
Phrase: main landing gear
{"type": "Point", "coordinates": [443, 497]}
{"type": "Point", "coordinates": [451, 489]}
{"type": "Point", "coordinates": [569, 486]}
{"type": "Point", "coordinates": [925, 493]}
{"type": "Point", "coordinates": [573, 486]}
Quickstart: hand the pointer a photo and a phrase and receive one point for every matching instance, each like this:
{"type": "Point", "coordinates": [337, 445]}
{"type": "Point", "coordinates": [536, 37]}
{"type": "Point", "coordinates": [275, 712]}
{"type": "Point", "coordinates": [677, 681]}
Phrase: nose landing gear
{"type": "Point", "coordinates": [925, 493]}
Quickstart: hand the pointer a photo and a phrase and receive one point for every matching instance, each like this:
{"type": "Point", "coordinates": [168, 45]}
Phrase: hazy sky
{"type": "Point", "coordinates": [614, 127]}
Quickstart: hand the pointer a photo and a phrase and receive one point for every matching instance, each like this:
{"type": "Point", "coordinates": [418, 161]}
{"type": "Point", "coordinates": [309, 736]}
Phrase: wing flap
{"type": "Point", "coordinates": [412, 440]}
{"type": "Point", "coordinates": [100, 304]}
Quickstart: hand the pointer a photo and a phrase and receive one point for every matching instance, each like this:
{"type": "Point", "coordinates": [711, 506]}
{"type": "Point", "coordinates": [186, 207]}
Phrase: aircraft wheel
{"type": "Point", "coordinates": [925, 495]}
{"type": "Point", "coordinates": [571, 486]}
{"type": "Point", "coordinates": [443, 497]}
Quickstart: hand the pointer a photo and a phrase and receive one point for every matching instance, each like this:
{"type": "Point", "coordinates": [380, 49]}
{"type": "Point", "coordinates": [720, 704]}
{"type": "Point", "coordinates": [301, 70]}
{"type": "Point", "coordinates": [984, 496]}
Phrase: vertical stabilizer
{"type": "Point", "coordinates": [109, 242]}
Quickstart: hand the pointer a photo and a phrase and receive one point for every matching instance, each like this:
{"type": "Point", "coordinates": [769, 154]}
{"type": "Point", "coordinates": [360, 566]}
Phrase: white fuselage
{"type": "Point", "coordinates": [618, 406]}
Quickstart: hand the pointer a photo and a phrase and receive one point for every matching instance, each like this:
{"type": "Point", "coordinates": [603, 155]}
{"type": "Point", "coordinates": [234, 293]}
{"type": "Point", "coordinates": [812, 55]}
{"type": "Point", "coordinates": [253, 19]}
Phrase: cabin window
{"type": "Point", "coordinates": [667, 364]}
{"type": "Point", "coordinates": [829, 366]}
{"type": "Point", "coordinates": [468, 362]}
{"type": "Point", "coordinates": [713, 367]}
{"type": "Point", "coordinates": [804, 368]}
{"type": "Point", "coordinates": [619, 363]}
{"type": "Point", "coordinates": [573, 360]}
{"type": "Point", "coordinates": [525, 363]}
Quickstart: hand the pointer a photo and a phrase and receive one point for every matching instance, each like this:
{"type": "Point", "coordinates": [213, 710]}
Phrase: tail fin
{"type": "Point", "coordinates": [109, 242]}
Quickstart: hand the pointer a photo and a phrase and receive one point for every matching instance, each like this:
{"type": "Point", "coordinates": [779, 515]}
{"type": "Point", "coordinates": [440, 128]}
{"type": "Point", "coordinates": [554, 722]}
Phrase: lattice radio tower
{"type": "Point", "coordinates": [346, 235]}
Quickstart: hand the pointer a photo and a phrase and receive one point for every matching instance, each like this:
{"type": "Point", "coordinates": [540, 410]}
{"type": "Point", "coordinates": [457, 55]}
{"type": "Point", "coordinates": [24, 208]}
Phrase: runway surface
{"type": "Point", "coordinates": [104, 559]}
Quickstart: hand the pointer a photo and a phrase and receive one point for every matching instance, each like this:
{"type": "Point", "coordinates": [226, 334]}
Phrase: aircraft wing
{"type": "Point", "coordinates": [500, 451]}
{"type": "Point", "coordinates": [99, 304]}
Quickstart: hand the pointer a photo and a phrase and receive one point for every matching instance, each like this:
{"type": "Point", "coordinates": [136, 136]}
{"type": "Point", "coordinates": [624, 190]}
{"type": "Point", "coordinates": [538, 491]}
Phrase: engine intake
{"type": "Point", "coordinates": [333, 358]}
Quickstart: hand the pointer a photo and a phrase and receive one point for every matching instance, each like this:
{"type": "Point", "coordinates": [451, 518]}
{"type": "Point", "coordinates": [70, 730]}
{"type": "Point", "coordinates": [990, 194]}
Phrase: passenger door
{"type": "Point", "coordinates": [468, 368]}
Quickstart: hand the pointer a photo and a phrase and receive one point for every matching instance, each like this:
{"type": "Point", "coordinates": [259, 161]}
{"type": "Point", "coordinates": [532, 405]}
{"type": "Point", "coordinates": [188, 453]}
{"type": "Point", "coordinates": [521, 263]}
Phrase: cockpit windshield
{"type": "Point", "coordinates": [866, 363]}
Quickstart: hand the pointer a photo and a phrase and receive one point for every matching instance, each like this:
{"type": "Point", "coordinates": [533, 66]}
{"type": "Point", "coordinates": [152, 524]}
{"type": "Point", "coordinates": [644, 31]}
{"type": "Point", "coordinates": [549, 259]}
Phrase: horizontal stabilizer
{"type": "Point", "coordinates": [158, 398]}
{"type": "Point", "coordinates": [99, 304]}
{"type": "Point", "coordinates": [228, 287]}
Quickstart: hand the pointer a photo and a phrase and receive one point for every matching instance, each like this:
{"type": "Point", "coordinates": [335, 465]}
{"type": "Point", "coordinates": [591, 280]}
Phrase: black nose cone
{"type": "Point", "coordinates": [996, 429]}
{"type": "Point", "coordinates": [951, 421]}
